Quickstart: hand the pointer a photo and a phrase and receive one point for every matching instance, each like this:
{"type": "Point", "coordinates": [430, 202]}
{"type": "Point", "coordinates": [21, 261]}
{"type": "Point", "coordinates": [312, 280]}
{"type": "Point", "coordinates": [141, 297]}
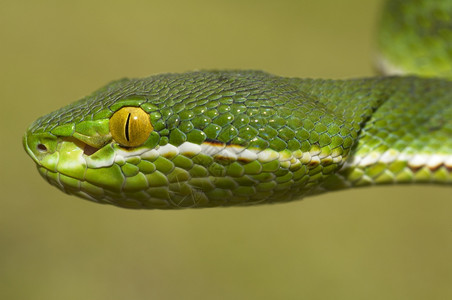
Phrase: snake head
{"type": "Point", "coordinates": [191, 140]}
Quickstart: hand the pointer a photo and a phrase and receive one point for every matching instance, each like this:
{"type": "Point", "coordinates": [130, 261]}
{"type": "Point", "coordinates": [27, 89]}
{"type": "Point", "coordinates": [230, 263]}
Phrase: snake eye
{"type": "Point", "coordinates": [130, 126]}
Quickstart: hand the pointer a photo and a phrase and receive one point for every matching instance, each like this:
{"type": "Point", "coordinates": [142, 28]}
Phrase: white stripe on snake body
{"type": "Point", "coordinates": [286, 158]}
{"type": "Point", "coordinates": [418, 160]}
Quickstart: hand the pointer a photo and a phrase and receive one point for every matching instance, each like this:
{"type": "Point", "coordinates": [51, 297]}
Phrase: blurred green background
{"type": "Point", "coordinates": [376, 243]}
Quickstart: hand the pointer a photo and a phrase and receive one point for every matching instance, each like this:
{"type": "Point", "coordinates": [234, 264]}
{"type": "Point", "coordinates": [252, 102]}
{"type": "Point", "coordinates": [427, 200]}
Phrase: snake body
{"type": "Point", "coordinates": [414, 38]}
{"type": "Point", "coordinates": [223, 138]}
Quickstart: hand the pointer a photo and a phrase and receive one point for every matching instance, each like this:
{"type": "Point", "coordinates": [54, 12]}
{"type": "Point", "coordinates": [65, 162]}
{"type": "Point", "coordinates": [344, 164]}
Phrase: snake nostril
{"type": "Point", "coordinates": [41, 148]}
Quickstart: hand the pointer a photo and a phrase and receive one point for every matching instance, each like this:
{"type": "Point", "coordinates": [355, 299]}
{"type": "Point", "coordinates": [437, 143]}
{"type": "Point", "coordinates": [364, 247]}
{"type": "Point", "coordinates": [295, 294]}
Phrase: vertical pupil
{"type": "Point", "coordinates": [127, 128]}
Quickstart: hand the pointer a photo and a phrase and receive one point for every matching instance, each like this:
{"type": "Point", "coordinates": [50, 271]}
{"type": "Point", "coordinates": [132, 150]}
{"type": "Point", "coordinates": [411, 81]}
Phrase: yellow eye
{"type": "Point", "coordinates": [130, 126]}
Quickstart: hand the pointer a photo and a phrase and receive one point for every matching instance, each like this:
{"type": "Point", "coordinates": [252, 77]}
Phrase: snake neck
{"type": "Point", "coordinates": [403, 136]}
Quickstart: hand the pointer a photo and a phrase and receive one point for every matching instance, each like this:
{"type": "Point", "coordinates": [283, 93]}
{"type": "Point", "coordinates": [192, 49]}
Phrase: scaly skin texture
{"type": "Point", "coordinates": [414, 38]}
{"type": "Point", "coordinates": [223, 138]}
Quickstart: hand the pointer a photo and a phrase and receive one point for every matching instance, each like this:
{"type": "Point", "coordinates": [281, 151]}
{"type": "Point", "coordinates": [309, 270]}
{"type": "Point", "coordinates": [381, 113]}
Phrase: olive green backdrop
{"type": "Point", "coordinates": [375, 243]}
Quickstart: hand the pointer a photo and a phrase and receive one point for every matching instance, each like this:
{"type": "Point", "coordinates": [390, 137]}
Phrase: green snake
{"type": "Point", "coordinates": [225, 138]}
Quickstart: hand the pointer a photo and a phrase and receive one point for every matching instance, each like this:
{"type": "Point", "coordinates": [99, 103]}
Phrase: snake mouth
{"type": "Point", "coordinates": [43, 145]}
{"type": "Point", "coordinates": [87, 149]}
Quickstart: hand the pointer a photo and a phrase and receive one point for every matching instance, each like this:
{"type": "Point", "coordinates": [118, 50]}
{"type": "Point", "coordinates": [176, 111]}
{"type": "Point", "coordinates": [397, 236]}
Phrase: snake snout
{"type": "Point", "coordinates": [39, 145]}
